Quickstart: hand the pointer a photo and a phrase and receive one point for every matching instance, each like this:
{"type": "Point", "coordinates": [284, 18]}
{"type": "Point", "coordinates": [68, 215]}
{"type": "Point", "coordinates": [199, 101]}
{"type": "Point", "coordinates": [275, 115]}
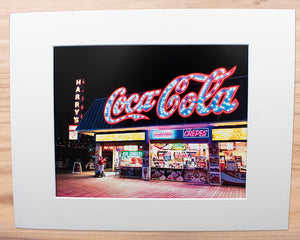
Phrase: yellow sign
{"type": "Point", "coordinates": [229, 134]}
{"type": "Point", "coordinates": [136, 136]}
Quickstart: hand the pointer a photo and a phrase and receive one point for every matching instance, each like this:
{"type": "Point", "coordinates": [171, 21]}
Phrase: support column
{"type": "Point", "coordinates": [98, 152]}
{"type": "Point", "coordinates": [146, 165]}
{"type": "Point", "coordinates": [214, 163]}
{"type": "Point", "coordinates": [113, 158]}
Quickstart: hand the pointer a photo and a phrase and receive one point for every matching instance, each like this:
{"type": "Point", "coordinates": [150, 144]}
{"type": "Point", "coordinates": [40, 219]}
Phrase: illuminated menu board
{"type": "Point", "coordinates": [114, 137]}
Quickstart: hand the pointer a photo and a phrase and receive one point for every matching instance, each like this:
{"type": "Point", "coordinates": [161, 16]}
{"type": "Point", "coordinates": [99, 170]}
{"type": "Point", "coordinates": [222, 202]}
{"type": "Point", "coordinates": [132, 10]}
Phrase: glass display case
{"type": "Point", "coordinates": [179, 155]}
{"type": "Point", "coordinates": [233, 156]}
{"type": "Point", "coordinates": [131, 159]}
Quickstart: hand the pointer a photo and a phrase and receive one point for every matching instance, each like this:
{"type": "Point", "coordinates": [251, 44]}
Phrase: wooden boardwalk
{"type": "Point", "coordinates": [85, 185]}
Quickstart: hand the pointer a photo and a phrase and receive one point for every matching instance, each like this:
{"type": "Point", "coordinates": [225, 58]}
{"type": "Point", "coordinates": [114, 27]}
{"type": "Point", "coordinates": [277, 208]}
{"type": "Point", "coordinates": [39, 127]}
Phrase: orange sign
{"type": "Point", "coordinates": [136, 136]}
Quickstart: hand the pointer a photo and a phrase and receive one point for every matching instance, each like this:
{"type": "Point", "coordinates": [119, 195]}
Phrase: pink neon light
{"type": "Point", "coordinates": [110, 103]}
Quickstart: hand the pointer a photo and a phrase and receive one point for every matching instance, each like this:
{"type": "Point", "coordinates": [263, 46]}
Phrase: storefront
{"type": "Point", "coordinates": [127, 150]}
{"type": "Point", "coordinates": [199, 155]}
{"type": "Point", "coordinates": [208, 155]}
{"type": "Point", "coordinates": [192, 130]}
{"type": "Point", "coordinates": [179, 155]}
{"type": "Point", "coordinates": [232, 147]}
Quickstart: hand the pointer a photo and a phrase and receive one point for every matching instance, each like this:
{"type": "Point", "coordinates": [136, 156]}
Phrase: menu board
{"type": "Point", "coordinates": [132, 154]}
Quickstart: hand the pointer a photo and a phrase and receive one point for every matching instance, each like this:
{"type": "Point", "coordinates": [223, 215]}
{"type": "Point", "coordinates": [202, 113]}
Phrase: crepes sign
{"type": "Point", "coordinates": [196, 133]}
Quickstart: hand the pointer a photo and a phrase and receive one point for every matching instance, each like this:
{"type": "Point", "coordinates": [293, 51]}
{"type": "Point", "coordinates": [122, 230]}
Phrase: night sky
{"type": "Point", "coordinates": [138, 68]}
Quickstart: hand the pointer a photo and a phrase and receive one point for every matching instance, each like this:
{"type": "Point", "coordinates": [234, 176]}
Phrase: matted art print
{"type": "Point", "coordinates": [139, 114]}
{"type": "Point", "coordinates": [178, 108]}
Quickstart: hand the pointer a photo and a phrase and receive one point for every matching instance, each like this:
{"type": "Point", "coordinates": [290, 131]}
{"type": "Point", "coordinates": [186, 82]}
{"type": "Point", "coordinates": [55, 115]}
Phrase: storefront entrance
{"type": "Point", "coordinates": [129, 160]}
{"type": "Point", "coordinates": [126, 159]}
{"type": "Point", "coordinates": [233, 162]}
{"type": "Point", "coordinates": [108, 154]}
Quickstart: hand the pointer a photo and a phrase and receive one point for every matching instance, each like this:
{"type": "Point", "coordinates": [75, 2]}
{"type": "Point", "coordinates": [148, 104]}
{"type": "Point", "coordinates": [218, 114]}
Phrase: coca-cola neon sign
{"type": "Point", "coordinates": [211, 98]}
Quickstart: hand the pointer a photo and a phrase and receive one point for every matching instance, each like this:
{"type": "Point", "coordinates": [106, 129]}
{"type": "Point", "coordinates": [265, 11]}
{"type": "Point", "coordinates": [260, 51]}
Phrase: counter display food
{"type": "Point", "coordinates": [171, 160]}
{"type": "Point", "coordinates": [195, 176]}
{"type": "Point", "coordinates": [167, 174]}
{"type": "Point", "coordinates": [233, 156]}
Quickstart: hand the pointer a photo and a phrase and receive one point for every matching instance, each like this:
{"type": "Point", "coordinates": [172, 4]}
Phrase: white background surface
{"type": "Point", "coordinates": [271, 39]}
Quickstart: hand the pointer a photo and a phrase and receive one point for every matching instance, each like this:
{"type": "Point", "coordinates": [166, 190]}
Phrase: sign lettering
{"type": "Point", "coordinates": [211, 98]}
{"type": "Point", "coordinates": [196, 133]}
{"type": "Point", "coordinates": [163, 134]}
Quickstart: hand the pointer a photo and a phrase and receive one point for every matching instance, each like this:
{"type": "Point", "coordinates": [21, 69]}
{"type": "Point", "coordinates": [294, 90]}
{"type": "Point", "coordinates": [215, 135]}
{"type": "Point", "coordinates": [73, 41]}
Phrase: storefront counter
{"type": "Point", "coordinates": [167, 174]}
{"type": "Point", "coordinates": [197, 175]}
{"type": "Point", "coordinates": [131, 172]}
{"type": "Point", "coordinates": [234, 178]}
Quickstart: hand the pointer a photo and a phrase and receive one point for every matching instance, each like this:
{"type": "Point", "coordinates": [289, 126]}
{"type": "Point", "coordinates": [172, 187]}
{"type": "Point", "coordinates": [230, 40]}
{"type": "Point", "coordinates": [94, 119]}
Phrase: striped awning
{"type": "Point", "coordinates": [93, 120]}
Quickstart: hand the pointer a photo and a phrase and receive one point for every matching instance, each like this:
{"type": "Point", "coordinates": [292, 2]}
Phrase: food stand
{"type": "Point", "coordinates": [179, 124]}
{"type": "Point", "coordinates": [183, 158]}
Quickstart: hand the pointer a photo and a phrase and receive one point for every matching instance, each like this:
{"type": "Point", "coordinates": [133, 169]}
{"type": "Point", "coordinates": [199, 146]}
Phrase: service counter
{"type": "Point", "coordinates": [131, 172]}
{"type": "Point", "coordinates": [197, 175]}
{"type": "Point", "coordinates": [236, 178]}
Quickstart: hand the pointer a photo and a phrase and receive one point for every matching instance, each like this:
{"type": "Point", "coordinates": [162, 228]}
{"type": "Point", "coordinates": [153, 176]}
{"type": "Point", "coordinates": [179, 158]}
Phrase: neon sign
{"type": "Point", "coordinates": [79, 98]}
{"type": "Point", "coordinates": [134, 136]}
{"type": "Point", "coordinates": [196, 133]}
{"type": "Point", "coordinates": [163, 134]}
{"type": "Point", "coordinates": [211, 98]}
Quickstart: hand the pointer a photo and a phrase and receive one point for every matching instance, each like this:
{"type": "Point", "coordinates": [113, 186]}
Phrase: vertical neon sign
{"type": "Point", "coordinates": [78, 100]}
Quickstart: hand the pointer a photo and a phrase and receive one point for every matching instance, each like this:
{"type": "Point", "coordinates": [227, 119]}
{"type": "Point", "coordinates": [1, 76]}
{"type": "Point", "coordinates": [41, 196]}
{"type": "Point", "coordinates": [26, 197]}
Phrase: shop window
{"type": "Point", "coordinates": [233, 156]}
{"type": "Point", "coordinates": [129, 156]}
{"type": "Point", "coordinates": [179, 155]}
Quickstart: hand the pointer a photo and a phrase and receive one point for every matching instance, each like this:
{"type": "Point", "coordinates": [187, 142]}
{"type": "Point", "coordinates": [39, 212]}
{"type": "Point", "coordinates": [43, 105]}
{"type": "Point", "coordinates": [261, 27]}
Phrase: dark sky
{"type": "Point", "coordinates": [138, 68]}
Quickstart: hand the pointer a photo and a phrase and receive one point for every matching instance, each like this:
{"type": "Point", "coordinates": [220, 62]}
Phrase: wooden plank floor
{"type": "Point", "coordinates": [7, 229]}
{"type": "Point", "coordinates": [85, 185]}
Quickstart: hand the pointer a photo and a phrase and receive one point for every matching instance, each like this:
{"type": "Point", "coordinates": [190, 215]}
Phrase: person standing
{"type": "Point", "coordinates": [102, 165]}
{"type": "Point", "coordinates": [98, 168]}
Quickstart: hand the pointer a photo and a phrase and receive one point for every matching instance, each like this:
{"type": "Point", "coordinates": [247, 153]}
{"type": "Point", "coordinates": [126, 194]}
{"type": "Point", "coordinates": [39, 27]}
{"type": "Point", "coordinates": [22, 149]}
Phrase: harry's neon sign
{"type": "Point", "coordinates": [211, 98]}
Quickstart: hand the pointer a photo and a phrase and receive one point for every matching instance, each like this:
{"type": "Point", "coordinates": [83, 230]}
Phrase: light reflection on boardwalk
{"type": "Point", "coordinates": [85, 185]}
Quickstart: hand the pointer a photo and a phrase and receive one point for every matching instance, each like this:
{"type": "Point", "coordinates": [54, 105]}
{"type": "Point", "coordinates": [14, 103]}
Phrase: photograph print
{"type": "Point", "coordinates": [151, 121]}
